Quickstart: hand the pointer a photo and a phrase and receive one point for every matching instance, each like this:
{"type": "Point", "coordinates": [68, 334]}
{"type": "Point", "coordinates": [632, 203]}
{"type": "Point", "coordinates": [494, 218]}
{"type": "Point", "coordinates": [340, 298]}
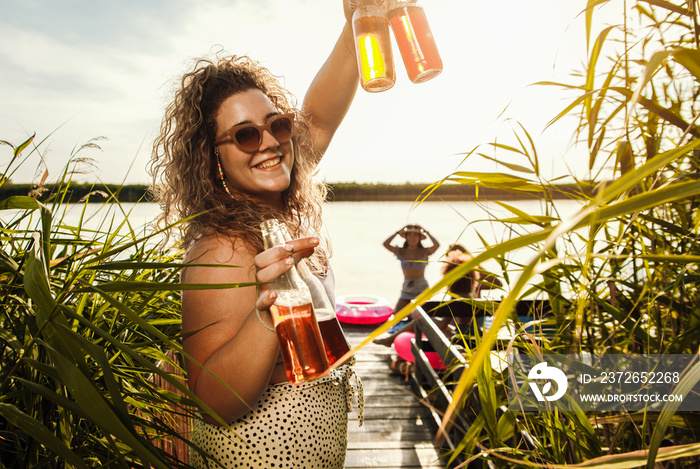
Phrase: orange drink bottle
{"type": "Point", "coordinates": [293, 314]}
{"type": "Point", "coordinates": [334, 340]}
{"type": "Point", "coordinates": [415, 40]}
{"type": "Point", "coordinates": [375, 60]}
{"type": "Point", "coordinates": [333, 337]}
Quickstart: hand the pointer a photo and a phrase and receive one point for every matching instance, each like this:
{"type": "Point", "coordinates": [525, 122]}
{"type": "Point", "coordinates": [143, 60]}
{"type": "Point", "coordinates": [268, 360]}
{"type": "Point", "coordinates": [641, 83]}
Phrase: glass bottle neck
{"type": "Point", "coordinates": [273, 233]}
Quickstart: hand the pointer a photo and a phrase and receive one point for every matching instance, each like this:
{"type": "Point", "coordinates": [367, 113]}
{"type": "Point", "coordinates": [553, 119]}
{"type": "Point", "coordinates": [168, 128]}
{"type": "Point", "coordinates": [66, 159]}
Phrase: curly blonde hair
{"type": "Point", "coordinates": [184, 169]}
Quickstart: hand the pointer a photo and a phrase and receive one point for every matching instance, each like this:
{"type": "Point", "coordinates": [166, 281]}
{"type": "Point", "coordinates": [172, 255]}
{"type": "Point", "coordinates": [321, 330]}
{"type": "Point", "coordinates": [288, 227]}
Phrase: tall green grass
{"type": "Point", "coordinates": [622, 274]}
{"type": "Point", "coordinates": [86, 316]}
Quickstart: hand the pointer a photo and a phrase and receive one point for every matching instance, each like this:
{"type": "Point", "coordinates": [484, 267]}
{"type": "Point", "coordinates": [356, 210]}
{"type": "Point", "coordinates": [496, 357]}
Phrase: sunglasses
{"type": "Point", "coordinates": [248, 137]}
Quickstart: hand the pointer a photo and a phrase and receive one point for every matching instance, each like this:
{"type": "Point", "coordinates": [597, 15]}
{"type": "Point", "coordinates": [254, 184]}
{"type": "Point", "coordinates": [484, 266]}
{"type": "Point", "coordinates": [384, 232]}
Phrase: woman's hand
{"type": "Point", "coordinates": [273, 262]}
{"type": "Point", "coordinates": [349, 7]}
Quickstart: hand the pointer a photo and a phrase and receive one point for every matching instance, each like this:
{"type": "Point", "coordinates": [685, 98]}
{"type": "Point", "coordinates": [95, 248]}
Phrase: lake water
{"type": "Point", "coordinates": [358, 229]}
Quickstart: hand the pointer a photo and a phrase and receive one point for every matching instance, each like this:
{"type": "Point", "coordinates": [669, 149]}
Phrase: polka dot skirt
{"type": "Point", "coordinates": [302, 426]}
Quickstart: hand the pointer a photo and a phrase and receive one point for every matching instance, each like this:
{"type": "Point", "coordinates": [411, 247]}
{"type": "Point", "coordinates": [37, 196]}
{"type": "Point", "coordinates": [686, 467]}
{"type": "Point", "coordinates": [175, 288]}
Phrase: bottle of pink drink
{"type": "Point", "coordinates": [415, 40]}
{"type": "Point", "coordinates": [334, 340]}
{"type": "Point", "coordinates": [293, 314]}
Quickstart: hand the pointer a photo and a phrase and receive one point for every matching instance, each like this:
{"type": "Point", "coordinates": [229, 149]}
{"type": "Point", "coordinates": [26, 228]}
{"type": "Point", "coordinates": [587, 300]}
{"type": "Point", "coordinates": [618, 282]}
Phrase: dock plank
{"type": "Point", "coordinates": [417, 457]}
{"type": "Point", "coordinates": [396, 433]}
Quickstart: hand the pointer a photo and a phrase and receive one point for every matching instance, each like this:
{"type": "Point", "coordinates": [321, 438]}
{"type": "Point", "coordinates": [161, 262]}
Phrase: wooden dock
{"type": "Point", "coordinates": [396, 431]}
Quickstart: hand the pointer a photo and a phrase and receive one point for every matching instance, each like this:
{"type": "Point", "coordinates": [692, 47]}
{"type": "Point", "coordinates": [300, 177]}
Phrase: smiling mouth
{"type": "Point", "coordinates": [269, 163]}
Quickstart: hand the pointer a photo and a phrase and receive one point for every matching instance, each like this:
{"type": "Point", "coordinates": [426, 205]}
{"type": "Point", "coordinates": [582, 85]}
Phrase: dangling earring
{"type": "Point", "coordinates": [221, 173]}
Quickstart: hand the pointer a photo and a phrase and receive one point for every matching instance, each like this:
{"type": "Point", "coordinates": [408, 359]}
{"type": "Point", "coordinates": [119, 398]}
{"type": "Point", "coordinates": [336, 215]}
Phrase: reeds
{"type": "Point", "coordinates": [622, 274]}
{"type": "Point", "coordinates": [87, 314]}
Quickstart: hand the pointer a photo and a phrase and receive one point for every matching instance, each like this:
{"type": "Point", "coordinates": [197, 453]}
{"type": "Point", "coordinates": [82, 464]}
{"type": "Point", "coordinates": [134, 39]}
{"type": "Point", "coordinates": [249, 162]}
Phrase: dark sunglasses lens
{"type": "Point", "coordinates": [282, 129]}
{"type": "Point", "coordinates": [248, 138]}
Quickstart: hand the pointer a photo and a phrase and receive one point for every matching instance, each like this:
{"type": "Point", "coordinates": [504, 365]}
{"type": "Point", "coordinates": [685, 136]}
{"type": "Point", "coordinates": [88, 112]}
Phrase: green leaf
{"type": "Point", "coordinates": [590, 5]}
{"type": "Point", "coordinates": [36, 284]}
{"type": "Point", "coordinates": [539, 220]}
{"type": "Point", "coordinates": [643, 201]}
{"type": "Point", "coordinates": [133, 286]}
{"type": "Point", "coordinates": [690, 59]}
{"type": "Point", "coordinates": [488, 178]}
{"type": "Point", "coordinates": [586, 217]}
{"type": "Point", "coordinates": [506, 426]}
{"type": "Point", "coordinates": [10, 340]}
{"type": "Point", "coordinates": [592, 63]}
{"type": "Point", "coordinates": [535, 220]}
{"type": "Point", "coordinates": [62, 401]}
{"type": "Point", "coordinates": [98, 355]}
{"type": "Point", "coordinates": [514, 167]}
{"type": "Point", "coordinates": [125, 265]}
{"type": "Point", "coordinates": [157, 335]}
{"type": "Point", "coordinates": [33, 427]}
{"type": "Point", "coordinates": [21, 202]}
{"type": "Point", "coordinates": [91, 401]}
{"type": "Point", "coordinates": [630, 180]}
{"type": "Point", "coordinates": [8, 264]}
{"type": "Point", "coordinates": [670, 6]}
{"type": "Point", "coordinates": [24, 145]}
{"type": "Point", "coordinates": [685, 387]}
{"type": "Point", "coordinates": [635, 459]}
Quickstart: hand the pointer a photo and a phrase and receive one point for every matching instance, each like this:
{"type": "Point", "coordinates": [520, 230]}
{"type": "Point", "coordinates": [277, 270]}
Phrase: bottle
{"type": "Point", "coordinates": [295, 322]}
{"type": "Point", "coordinates": [415, 40]}
{"type": "Point", "coordinates": [375, 60]}
{"type": "Point", "coordinates": [334, 340]}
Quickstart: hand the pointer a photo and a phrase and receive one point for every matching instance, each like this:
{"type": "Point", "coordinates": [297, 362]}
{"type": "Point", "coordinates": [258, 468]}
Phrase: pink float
{"type": "Point", "coordinates": [402, 344]}
{"type": "Point", "coordinates": [365, 309]}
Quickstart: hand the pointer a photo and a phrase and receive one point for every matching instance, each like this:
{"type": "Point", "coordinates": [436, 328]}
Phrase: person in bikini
{"type": "Point", "coordinates": [414, 259]}
{"type": "Point", "coordinates": [468, 286]}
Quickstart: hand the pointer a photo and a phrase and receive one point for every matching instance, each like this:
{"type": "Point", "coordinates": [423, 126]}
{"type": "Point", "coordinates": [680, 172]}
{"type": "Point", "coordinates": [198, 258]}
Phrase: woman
{"type": "Point", "coordinates": [232, 152]}
{"type": "Point", "coordinates": [466, 286]}
{"type": "Point", "coordinates": [473, 282]}
{"type": "Point", "coordinates": [469, 285]}
{"type": "Point", "coordinates": [414, 259]}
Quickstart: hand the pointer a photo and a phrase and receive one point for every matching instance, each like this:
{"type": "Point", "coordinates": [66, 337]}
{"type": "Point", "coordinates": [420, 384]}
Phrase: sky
{"type": "Point", "coordinates": [78, 70]}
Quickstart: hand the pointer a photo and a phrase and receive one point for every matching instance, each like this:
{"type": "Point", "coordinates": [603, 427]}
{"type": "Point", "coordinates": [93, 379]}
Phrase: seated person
{"type": "Point", "coordinates": [468, 286]}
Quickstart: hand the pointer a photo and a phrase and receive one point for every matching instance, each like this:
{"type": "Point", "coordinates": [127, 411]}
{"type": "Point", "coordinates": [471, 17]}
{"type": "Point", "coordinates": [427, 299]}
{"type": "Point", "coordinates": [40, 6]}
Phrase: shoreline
{"type": "Point", "coordinates": [337, 192]}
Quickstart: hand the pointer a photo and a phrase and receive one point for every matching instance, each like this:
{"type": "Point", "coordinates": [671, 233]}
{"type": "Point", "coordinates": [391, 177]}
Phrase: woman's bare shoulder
{"type": "Point", "coordinates": [217, 249]}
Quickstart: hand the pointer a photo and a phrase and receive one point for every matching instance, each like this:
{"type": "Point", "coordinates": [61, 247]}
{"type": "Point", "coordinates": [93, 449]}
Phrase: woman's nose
{"type": "Point", "coordinates": [268, 141]}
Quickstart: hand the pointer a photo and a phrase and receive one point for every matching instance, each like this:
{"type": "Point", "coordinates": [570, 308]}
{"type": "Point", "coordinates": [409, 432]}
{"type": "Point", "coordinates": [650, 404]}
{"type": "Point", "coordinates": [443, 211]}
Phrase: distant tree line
{"type": "Point", "coordinates": [79, 192]}
{"type": "Point", "coordinates": [341, 192]}
{"type": "Point", "coordinates": [337, 192]}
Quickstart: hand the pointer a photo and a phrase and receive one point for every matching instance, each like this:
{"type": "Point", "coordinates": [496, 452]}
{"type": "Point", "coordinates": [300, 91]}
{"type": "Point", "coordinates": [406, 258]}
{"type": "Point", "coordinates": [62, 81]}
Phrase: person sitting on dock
{"type": "Point", "coordinates": [469, 285]}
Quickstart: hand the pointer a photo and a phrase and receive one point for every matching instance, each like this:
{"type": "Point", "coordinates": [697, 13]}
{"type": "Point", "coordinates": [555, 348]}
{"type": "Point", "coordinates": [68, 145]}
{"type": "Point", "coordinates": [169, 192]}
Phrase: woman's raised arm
{"type": "Point", "coordinates": [333, 89]}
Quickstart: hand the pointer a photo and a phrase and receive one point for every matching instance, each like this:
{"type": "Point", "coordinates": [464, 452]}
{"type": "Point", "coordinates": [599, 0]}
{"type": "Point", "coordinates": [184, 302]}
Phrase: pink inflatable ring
{"type": "Point", "coordinates": [362, 309]}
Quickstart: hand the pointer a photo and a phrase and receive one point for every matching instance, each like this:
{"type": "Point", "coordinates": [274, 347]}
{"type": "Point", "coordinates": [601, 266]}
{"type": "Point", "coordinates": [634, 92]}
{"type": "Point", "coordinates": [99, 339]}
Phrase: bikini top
{"type": "Point", "coordinates": [414, 263]}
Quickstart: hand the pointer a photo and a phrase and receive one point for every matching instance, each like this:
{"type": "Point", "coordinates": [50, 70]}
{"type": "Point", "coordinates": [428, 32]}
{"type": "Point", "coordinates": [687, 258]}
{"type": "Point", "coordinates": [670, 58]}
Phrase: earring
{"type": "Point", "coordinates": [221, 173]}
